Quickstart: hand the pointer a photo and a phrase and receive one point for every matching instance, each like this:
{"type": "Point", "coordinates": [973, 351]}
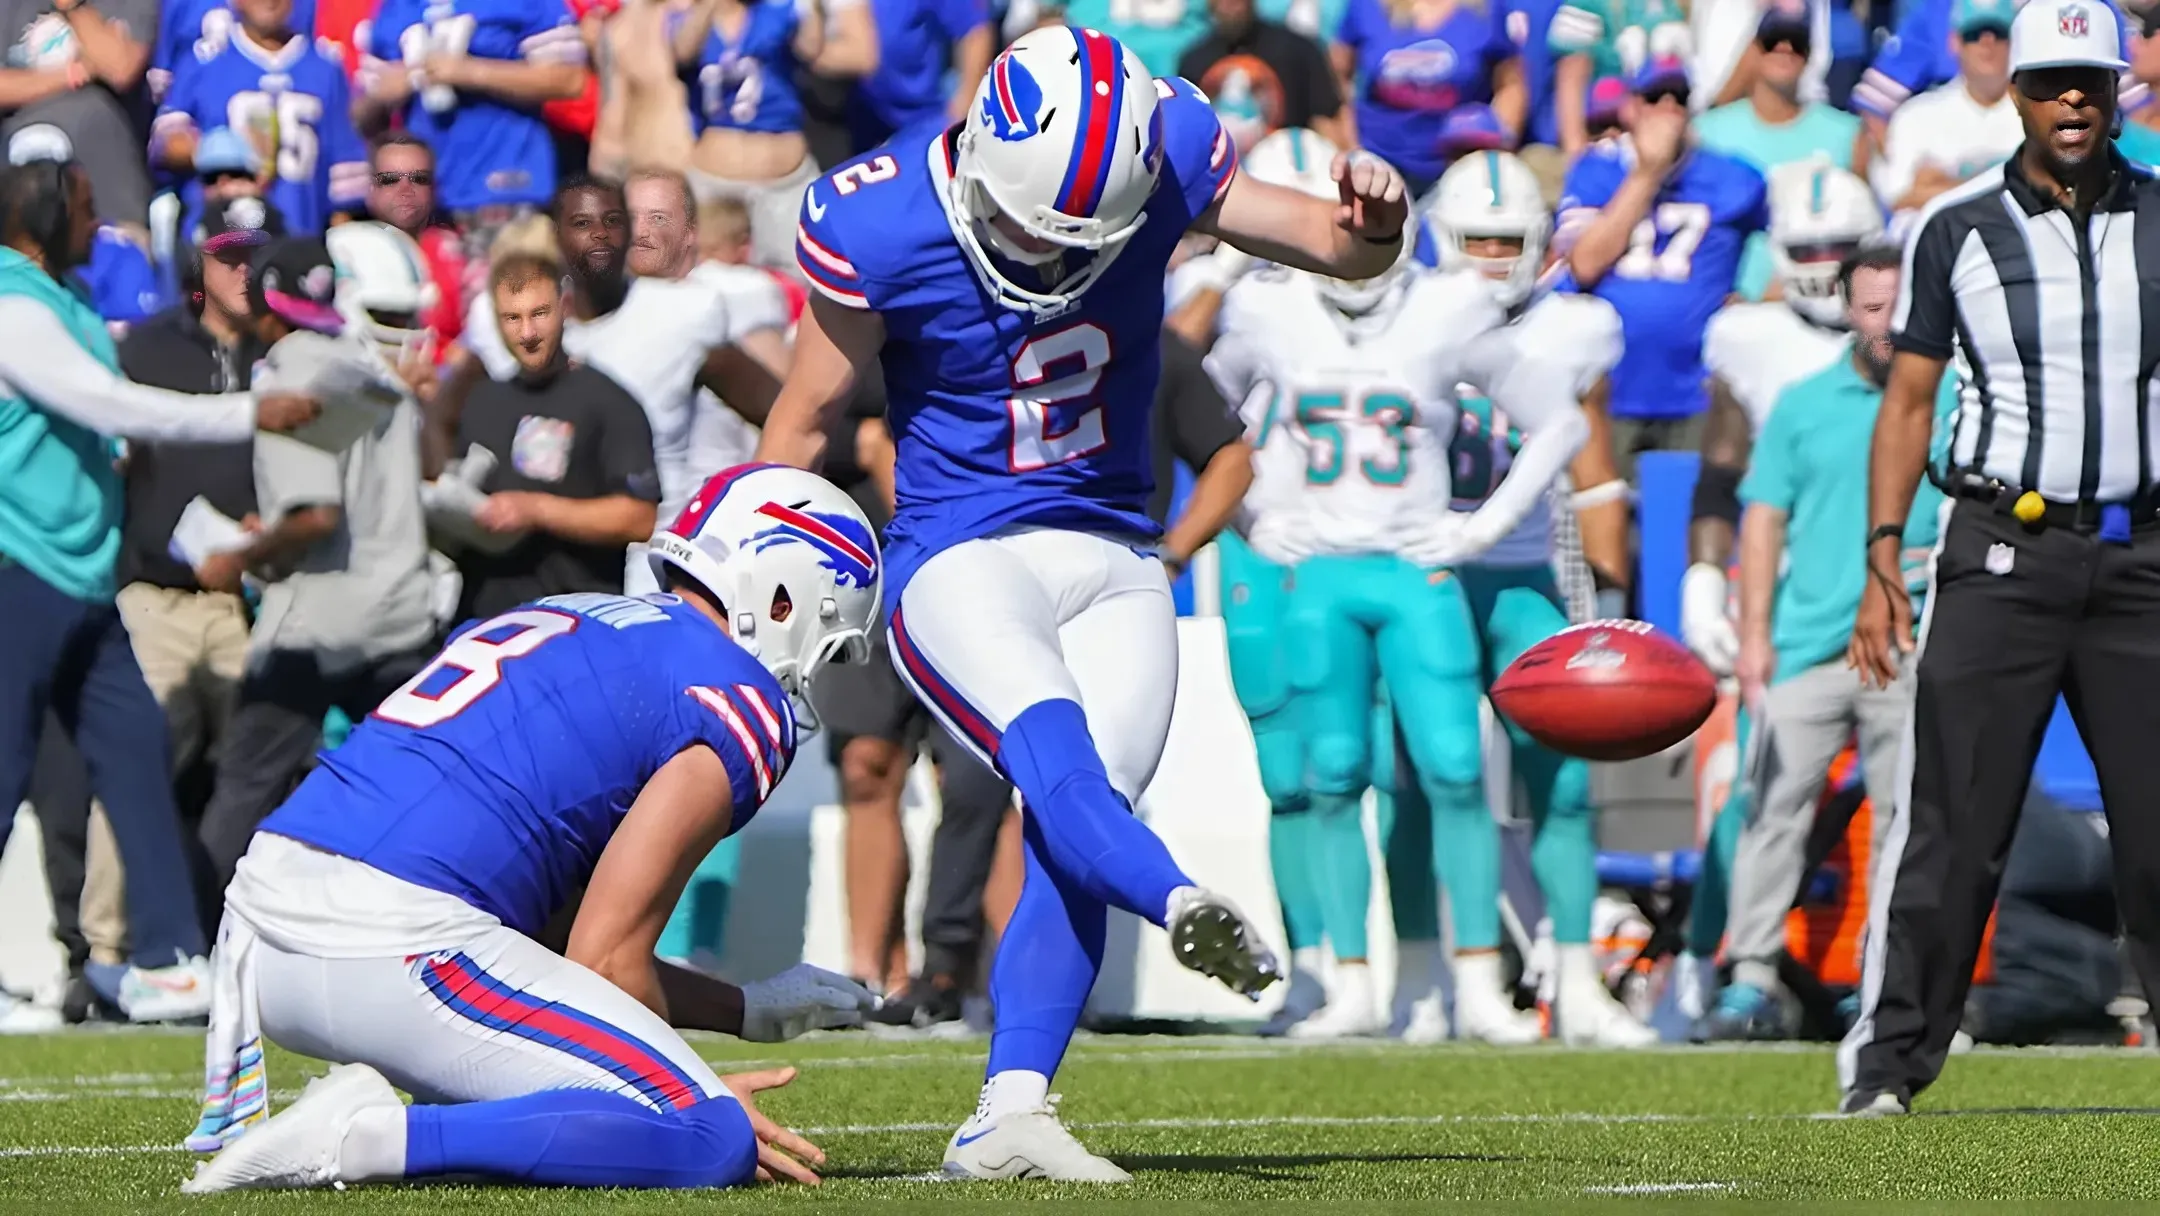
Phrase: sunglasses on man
{"type": "Point", "coordinates": [421, 178]}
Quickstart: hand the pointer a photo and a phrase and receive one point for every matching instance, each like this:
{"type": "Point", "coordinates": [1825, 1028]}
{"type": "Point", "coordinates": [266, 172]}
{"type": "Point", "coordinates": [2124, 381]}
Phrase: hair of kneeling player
{"type": "Point", "coordinates": [681, 582]}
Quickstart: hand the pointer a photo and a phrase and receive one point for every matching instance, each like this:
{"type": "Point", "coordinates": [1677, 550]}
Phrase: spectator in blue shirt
{"type": "Point", "coordinates": [1409, 63]}
{"type": "Point", "coordinates": [922, 44]}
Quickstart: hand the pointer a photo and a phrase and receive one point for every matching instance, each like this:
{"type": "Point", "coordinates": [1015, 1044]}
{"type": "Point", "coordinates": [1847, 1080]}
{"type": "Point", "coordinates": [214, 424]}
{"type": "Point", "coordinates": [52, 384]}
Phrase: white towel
{"type": "Point", "coordinates": [236, 1087]}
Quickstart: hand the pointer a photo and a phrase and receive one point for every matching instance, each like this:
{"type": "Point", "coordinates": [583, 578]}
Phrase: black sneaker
{"type": "Point", "coordinates": [929, 1001]}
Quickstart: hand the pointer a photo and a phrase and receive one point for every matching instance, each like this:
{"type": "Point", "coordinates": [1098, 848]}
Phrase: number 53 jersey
{"type": "Point", "coordinates": [1362, 421]}
{"type": "Point", "coordinates": [499, 773]}
{"type": "Point", "coordinates": [1003, 417]}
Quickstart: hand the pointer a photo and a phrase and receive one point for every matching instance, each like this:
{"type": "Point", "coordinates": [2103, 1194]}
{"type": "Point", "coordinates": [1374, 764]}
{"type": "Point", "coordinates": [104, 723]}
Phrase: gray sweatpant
{"type": "Point", "coordinates": [1808, 718]}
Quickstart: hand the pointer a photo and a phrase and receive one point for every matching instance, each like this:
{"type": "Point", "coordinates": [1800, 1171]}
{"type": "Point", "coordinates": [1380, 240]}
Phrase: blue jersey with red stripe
{"type": "Point", "coordinates": [747, 82]}
{"type": "Point", "coordinates": [499, 773]}
{"type": "Point", "coordinates": [1003, 417]}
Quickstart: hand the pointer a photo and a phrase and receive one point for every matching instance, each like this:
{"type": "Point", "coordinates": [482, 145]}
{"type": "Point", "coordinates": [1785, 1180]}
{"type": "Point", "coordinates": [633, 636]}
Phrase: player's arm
{"type": "Point", "coordinates": [833, 343]}
{"type": "Point", "coordinates": [1538, 396]}
{"type": "Point", "coordinates": [683, 811]}
{"type": "Point", "coordinates": [1357, 236]}
{"type": "Point", "coordinates": [1714, 515]}
{"type": "Point", "coordinates": [1209, 437]}
{"type": "Point", "coordinates": [1601, 498]}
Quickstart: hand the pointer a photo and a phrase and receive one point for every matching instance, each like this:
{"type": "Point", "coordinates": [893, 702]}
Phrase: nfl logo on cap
{"type": "Point", "coordinates": [2071, 22]}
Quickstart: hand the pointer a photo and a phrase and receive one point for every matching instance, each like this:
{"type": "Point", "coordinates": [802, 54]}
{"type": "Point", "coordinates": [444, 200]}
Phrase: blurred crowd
{"type": "Point", "coordinates": [567, 230]}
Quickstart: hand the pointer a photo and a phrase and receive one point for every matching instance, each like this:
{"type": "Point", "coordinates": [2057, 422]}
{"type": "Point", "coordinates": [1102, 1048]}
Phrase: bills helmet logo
{"type": "Point", "coordinates": [2071, 21]}
{"type": "Point", "coordinates": [1011, 108]}
{"type": "Point", "coordinates": [848, 548]}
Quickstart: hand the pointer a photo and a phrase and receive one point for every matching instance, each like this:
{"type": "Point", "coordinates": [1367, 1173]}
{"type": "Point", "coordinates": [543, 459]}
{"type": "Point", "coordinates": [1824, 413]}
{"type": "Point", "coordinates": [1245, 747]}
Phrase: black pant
{"type": "Point", "coordinates": [2016, 617]}
{"type": "Point", "coordinates": [274, 733]}
{"type": "Point", "coordinates": [973, 800]}
{"type": "Point", "coordinates": [73, 657]}
{"type": "Point", "coordinates": [60, 793]}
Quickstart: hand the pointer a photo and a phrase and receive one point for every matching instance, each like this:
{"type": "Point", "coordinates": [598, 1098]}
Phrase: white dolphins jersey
{"type": "Point", "coordinates": [1582, 332]}
{"type": "Point", "coordinates": [1760, 350]}
{"type": "Point", "coordinates": [1353, 429]}
{"type": "Point", "coordinates": [655, 346]}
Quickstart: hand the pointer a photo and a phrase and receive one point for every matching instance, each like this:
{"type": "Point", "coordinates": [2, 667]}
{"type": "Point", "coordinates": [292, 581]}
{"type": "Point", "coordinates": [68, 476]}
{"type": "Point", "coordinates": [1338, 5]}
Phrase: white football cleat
{"type": "Point", "coordinates": [1350, 1011]}
{"type": "Point", "coordinates": [1586, 1014]}
{"type": "Point", "coordinates": [1694, 983]}
{"type": "Point", "coordinates": [1482, 1009]}
{"type": "Point", "coordinates": [18, 1016]}
{"type": "Point", "coordinates": [1418, 1012]}
{"type": "Point", "coordinates": [1030, 1144]}
{"type": "Point", "coordinates": [167, 994]}
{"type": "Point", "coordinates": [1209, 935]}
{"type": "Point", "coordinates": [1424, 1022]}
{"type": "Point", "coordinates": [1303, 998]}
{"type": "Point", "coordinates": [298, 1147]}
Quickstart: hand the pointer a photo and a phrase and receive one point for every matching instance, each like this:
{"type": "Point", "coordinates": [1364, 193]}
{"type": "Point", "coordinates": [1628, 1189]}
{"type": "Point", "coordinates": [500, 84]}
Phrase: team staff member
{"type": "Point", "coordinates": [2046, 579]}
{"type": "Point", "coordinates": [574, 457]}
{"type": "Point", "coordinates": [62, 400]}
{"type": "Point", "coordinates": [346, 611]}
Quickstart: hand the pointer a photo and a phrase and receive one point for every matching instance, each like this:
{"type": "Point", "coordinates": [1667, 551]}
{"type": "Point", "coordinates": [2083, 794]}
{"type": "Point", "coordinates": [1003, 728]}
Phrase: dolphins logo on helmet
{"type": "Point", "coordinates": [849, 551]}
{"type": "Point", "coordinates": [1014, 99]}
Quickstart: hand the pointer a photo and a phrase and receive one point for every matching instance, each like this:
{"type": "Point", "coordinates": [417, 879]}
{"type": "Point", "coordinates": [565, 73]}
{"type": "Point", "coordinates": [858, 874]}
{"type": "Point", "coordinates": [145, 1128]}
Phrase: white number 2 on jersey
{"type": "Point", "coordinates": [1056, 420]}
{"type": "Point", "coordinates": [1684, 224]}
{"type": "Point", "coordinates": [480, 663]}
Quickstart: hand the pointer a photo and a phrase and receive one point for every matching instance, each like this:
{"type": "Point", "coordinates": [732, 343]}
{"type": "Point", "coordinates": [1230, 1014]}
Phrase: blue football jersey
{"type": "Point", "coordinates": [748, 82]}
{"type": "Point", "coordinates": [293, 97]}
{"type": "Point", "coordinates": [915, 42]}
{"type": "Point", "coordinates": [198, 29]}
{"type": "Point", "coordinates": [499, 773]}
{"type": "Point", "coordinates": [1676, 273]}
{"type": "Point", "coordinates": [487, 152]}
{"type": "Point", "coordinates": [1004, 417]}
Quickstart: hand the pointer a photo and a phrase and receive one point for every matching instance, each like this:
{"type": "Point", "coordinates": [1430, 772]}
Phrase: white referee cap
{"type": "Point", "coordinates": [2066, 34]}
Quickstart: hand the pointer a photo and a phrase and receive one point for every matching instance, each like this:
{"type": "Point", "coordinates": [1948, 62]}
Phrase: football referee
{"type": "Point", "coordinates": [2044, 274]}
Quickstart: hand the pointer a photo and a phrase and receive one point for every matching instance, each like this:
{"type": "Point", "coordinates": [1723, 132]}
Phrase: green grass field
{"type": "Point", "coordinates": [89, 1123]}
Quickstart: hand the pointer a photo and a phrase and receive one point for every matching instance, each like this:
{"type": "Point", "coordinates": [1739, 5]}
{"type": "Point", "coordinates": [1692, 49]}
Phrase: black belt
{"type": "Point", "coordinates": [2083, 515]}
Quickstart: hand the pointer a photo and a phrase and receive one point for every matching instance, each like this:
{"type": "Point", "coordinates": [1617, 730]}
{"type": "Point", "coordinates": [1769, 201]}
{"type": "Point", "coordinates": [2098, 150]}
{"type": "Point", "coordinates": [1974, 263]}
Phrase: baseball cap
{"type": "Point", "coordinates": [223, 150]}
{"type": "Point", "coordinates": [1972, 16]}
{"type": "Point", "coordinates": [1659, 72]}
{"type": "Point", "coordinates": [2066, 34]}
{"type": "Point", "coordinates": [1603, 104]}
{"type": "Point", "coordinates": [39, 141]}
{"type": "Point", "coordinates": [298, 282]}
{"type": "Point", "coordinates": [245, 222]}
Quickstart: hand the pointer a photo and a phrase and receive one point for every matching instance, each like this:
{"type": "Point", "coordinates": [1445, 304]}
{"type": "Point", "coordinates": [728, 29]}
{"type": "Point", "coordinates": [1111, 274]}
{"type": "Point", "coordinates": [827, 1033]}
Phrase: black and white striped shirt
{"type": "Point", "coordinates": [2058, 331]}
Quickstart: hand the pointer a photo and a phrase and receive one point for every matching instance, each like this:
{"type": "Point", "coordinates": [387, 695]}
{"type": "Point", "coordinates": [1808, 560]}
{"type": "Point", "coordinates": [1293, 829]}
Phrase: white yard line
{"type": "Point", "coordinates": [1659, 1188]}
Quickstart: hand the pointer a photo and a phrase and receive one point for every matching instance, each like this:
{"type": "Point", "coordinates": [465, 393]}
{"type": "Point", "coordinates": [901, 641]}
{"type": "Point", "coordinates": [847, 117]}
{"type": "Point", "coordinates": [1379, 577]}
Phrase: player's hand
{"type": "Point", "coordinates": [448, 70]}
{"type": "Point", "coordinates": [1756, 668]}
{"type": "Point", "coordinates": [1449, 541]}
{"type": "Point", "coordinates": [1704, 624]}
{"type": "Point", "coordinates": [1660, 134]}
{"type": "Point", "coordinates": [1375, 203]}
{"type": "Point", "coordinates": [801, 999]}
{"type": "Point", "coordinates": [781, 1153]}
{"type": "Point", "coordinates": [285, 411]}
{"type": "Point", "coordinates": [222, 571]}
{"type": "Point", "coordinates": [1882, 632]}
{"type": "Point", "coordinates": [508, 511]}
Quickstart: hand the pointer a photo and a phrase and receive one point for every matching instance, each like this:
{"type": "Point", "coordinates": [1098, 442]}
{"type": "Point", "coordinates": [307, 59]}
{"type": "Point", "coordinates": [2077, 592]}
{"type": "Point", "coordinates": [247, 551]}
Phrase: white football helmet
{"type": "Point", "coordinates": [384, 288]}
{"type": "Point", "coordinates": [1819, 214]}
{"type": "Point", "coordinates": [1493, 194]}
{"type": "Point", "coordinates": [791, 558]}
{"type": "Point", "coordinates": [1302, 160]}
{"type": "Point", "coordinates": [1065, 144]}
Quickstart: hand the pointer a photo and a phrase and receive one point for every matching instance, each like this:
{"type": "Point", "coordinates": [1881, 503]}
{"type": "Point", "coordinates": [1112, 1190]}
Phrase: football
{"type": "Point", "coordinates": [1607, 690]}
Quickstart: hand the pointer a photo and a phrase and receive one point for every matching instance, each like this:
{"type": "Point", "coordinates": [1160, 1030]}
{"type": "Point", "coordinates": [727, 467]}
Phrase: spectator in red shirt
{"type": "Point", "coordinates": [401, 193]}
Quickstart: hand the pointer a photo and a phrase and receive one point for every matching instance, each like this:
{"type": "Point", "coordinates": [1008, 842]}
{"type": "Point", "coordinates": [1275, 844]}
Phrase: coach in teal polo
{"type": "Point", "coordinates": [62, 403]}
{"type": "Point", "coordinates": [1802, 570]}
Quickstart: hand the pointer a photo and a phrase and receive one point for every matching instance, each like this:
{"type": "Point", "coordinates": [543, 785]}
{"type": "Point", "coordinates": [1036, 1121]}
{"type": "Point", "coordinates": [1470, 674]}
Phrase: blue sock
{"type": "Point", "coordinates": [1079, 826]}
{"type": "Point", "coordinates": [1046, 965]}
{"type": "Point", "coordinates": [585, 1138]}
